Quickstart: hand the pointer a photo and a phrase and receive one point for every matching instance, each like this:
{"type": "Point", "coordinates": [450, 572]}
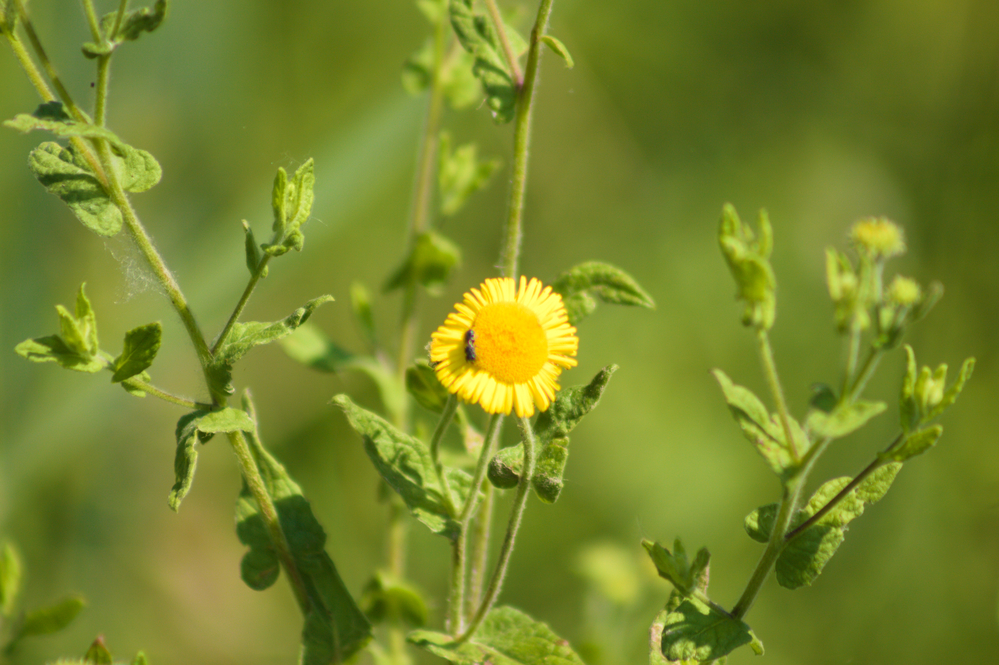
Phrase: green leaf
{"type": "Point", "coordinates": [422, 384]}
{"type": "Point", "coordinates": [586, 283]}
{"type": "Point", "coordinates": [10, 579]}
{"type": "Point", "coordinates": [952, 393]}
{"type": "Point", "coordinates": [52, 117]}
{"type": "Point", "coordinates": [845, 419]}
{"type": "Point", "coordinates": [225, 420]}
{"type": "Point", "coordinates": [185, 461]}
{"type": "Point", "coordinates": [63, 173]}
{"type": "Point", "coordinates": [335, 629]}
{"type": "Point", "coordinates": [253, 255]}
{"type": "Point", "coordinates": [386, 598]}
{"type": "Point", "coordinates": [140, 659]}
{"type": "Point", "coordinates": [433, 10]}
{"type": "Point", "coordinates": [559, 49]}
{"type": "Point", "coordinates": [292, 202]}
{"type": "Point", "coordinates": [460, 174]}
{"type": "Point", "coordinates": [552, 430]}
{"type": "Point", "coordinates": [405, 464]}
{"type": "Point", "coordinates": [141, 20]}
{"type": "Point", "coordinates": [916, 443]}
{"type": "Point", "coordinates": [53, 349]}
{"type": "Point", "coordinates": [570, 406]}
{"type": "Point", "coordinates": [506, 636]}
{"type": "Point", "coordinates": [98, 653]}
{"type": "Point", "coordinates": [478, 36]}
{"type": "Point", "coordinates": [50, 619]}
{"type": "Point", "coordinates": [311, 347]}
{"type": "Point", "coordinates": [139, 171]}
{"type": "Point", "coordinates": [687, 577]}
{"type": "Point", "coordinates": [699, 632]}
{"type": "Point", "coordinates": [244, 336]}
{"type": "Point", "coordinates": [430, 263]}
{"type": "Point", "coordinates": [908, 409]}
{"type": "Point", "coordinates": [760, 428]}
{"type": "Point", "coordinates": [804, 557]}
{"type": "Point", "coordinates": [141, 346]}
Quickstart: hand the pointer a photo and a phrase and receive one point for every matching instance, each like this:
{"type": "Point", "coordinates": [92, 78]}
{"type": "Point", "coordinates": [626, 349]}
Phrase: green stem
{"type": "Point", "coordinates": [459, 560]}
{"type": "Point", "coordinates": [852, 354]}
{"type": "Point", "coordinates": [878, 462]}
{"type": "Point", "coordinates": [508, 53]}
{"type": "Point", "coordinates": [139, 384]}
{"type": "Point", "coordinates": [513, 230]}
{"type": "Point", "coordinates": [481, 531]}
{"type": "Point", "coordinates": [773, 381]}
{"type": "Point", "coordinates": [241, 305]}
{"type": "Point", "coordinates": [516, 516]}
{"type": "Point", "coordinates": [88, 11]}
{"type": "Point", "coordinates": [269, 515]}
{"type": "Point", "coordinates": [24, 58]}
{"type": "Point", "coordinates": [435, 444]}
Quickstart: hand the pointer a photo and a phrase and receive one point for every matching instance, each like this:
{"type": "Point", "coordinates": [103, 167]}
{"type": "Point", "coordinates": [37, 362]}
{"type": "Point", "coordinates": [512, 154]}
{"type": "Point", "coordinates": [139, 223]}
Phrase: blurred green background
{"type": "Point", "coordinates": [822, 112]}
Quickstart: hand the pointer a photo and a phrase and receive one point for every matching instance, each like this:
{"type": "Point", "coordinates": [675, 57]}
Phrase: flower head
{"type": "Point", "coordinates": [880, 236]}
{"type": "Point", "coordinates": [505, 346]}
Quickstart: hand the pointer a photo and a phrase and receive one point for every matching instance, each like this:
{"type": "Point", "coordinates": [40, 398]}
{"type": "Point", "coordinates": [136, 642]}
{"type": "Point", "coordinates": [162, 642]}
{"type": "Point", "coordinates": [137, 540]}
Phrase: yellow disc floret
{"type": "Point", "coordinates": [504, 346]}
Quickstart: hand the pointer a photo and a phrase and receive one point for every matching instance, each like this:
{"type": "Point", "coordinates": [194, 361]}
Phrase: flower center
{"type": "Point", "coordinates": [509, 342]}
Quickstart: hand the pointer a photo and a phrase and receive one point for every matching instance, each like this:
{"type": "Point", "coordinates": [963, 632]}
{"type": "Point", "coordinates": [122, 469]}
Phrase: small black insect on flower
{"type": "Point", "coordinates": [470, 346]}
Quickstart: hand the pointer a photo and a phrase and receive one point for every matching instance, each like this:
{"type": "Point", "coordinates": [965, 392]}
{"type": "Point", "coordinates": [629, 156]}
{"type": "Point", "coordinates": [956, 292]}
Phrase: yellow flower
{"type": "Point", "coordinates": [505, 346]}
{"type": "Point", "coordinates": [880, 236]}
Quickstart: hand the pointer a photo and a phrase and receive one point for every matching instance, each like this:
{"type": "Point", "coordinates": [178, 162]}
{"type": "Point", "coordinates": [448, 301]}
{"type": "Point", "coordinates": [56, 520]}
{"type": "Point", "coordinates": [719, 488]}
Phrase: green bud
{"type": "Point", "coordinates": [748, 259]}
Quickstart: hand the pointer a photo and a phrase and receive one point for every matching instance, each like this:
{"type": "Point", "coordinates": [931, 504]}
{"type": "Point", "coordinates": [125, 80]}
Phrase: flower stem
{"type": "Point", "coordinates": [770, 370]}
{"type": "Point", "coordinates": [435, 444]}
{"type": "Point", "coordinates": [513, 230]}
{"type": "Point", "coordinates": [138, 384]}
{"type": "Point", "coordinates": [241, 305]}
{"type": "Point", "coordinates": [516, 516]}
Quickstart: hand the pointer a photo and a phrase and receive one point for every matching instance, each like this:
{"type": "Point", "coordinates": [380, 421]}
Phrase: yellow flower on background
{"type": "Point", "coordinates": [505, 346]}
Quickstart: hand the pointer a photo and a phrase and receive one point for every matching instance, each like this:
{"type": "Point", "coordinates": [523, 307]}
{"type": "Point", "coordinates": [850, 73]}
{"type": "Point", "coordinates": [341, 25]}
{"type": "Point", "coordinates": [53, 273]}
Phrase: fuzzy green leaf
{"type": "Point", "coordinates": [292, 202]}
{"type": "Point", "coordinates": [843, 420]}
{"type": "Point", "coordinates": [52, 117]}
{"type": "Point", "coordinates": [139, 171]}
{"type": "Point", "coordinates": [506, 636]}
{"type": "Point", "coordinates": [952, 393]}
{"type": "Point", "coordinates": [141, 20]}
{"type": "Point", "coordinates": [185, 460]}
{"type": "Point", "coordinates": [697, 631]}
{"type": "Point", "coordinates": [759, 427]}
{"type": "Point", "coordinates": [335, 629]}
{"type": "Point", "coordinates": [252, 251]}
{"type": "Point", "coordinates": [225, 420]}
{"type": "Point", "coordinates": [422, 384]}
{"type": "Point", "coordinates": [916, 443]}
{"type": "Point", "coordinates": [10, 579]}
{"type": "Point", "coordinates": [310, 346]}
{"type": "Point", "coordinates": [908, 409]}
{"type": "Point", "coordinates": [405, 464]}
{"type": "Point", "coordinates": [552, 430]}
{"type": "Point", "coordinates": [478, 36]}
{"type": "Point", "coordinates": [245, 336]}
{"type": "Point", "coordinates": [52, 619]}
{"type": "Point", "coordinates": [570, 406]}
{"type": "Point", "coordinates": [803, 559]}
{"type": "Point", "coordinates": [61, 173]}
{"type": "Point", "coordinates": [141, 346]}
{"type": "Point", "coordinates": [461, 87]}
{"type": "Point", "coordinates": [581, 287]}
{"type": "Point", "coordinates": [559, 49]}
{"type": "Point", "coordinates": [140, 659]}
{"type": "Point", "coordinates": [687, 577]}
{"type": "Point", "coordinates": [53, 349]}
{"type": "Point", "coordinates": [460, 174]}
{"type": "Point", "coordinates": [748, 259]}
{"type": "Point", "coordinates": [430, 263]}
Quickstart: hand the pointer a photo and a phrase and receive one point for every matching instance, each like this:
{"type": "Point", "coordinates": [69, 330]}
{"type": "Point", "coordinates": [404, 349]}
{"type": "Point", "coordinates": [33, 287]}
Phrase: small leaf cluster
{"type": "Point", "coordinates": [76, 347]}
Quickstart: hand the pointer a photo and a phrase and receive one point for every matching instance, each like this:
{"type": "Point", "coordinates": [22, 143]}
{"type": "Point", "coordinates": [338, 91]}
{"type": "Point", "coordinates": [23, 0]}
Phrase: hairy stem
{"type": "Point", "coordinates": [435, 444]}
{"type": "Point", "coordinates": [773, 381]}
{"type": "Point", "coordinates": [516, 516]}
{"type": "Point", "coordinates": [241, 305]}
{"type": "Point", "coordinates": [513, 230]}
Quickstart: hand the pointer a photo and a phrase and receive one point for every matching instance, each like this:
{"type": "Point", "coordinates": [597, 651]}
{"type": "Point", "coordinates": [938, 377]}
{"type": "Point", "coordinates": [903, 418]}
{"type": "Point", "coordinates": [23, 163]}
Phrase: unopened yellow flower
{"type": "Point", "coordinates": [505, 346]}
